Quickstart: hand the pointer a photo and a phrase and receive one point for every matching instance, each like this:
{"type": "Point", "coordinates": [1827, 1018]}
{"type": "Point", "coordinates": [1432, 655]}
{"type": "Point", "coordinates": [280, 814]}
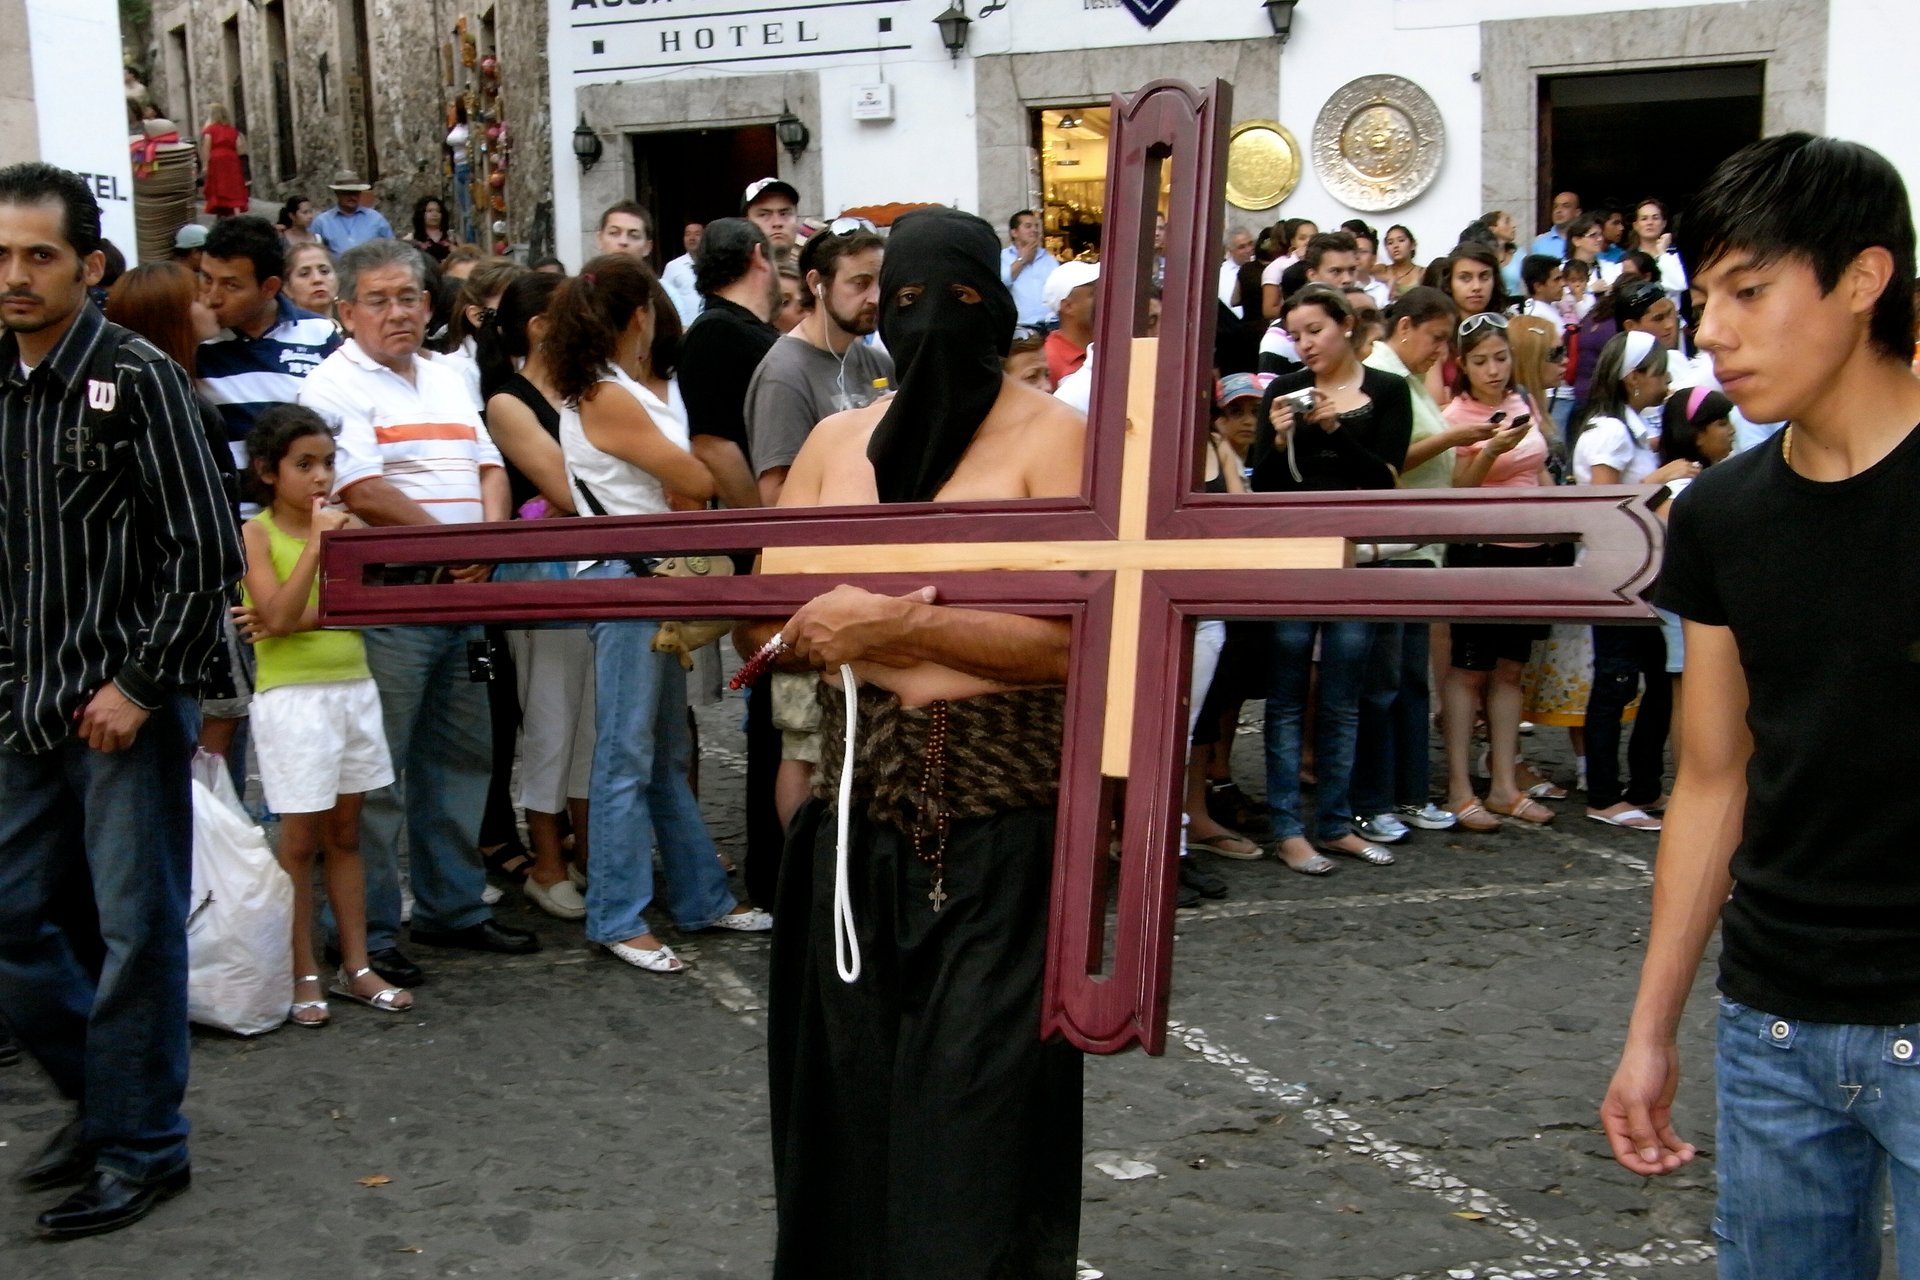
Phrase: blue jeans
{"type": "Point", "coordinates": [1344, 650]}
{"type": "Point", "coordinates": [114, 1041]}
{"type": "Point", "coordinates": [640, 791]}
{"type": "Point", "coordinates": [440, 733]}
{"type": "Point", "coordinates": [1392, 764]}
{"type": "Point", "coordinates": [1814, 1116]}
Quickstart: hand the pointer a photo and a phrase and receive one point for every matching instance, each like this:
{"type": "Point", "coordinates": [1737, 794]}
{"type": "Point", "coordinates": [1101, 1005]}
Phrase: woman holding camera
{"type": "Point", "coordinates": [1334, 425]}
{"type": "Point", "coordinates": [1489, 660]}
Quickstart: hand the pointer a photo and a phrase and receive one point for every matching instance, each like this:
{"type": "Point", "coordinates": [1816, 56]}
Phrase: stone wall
{"type": "Point", "coordinates": [415, 71]}
{"type": "Point", "coordinates": [19, 122]}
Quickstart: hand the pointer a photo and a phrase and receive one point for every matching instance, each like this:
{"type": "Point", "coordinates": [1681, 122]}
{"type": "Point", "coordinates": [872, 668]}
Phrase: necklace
{"type": "Point", "coordinates": [1786, 445]}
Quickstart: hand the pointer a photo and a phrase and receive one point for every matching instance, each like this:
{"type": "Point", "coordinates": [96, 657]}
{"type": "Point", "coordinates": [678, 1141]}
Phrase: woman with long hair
{"type": "Point", "coordinates": [1333, 425]}
{"type": "Point", "coordinates": [1290, 241]}
{"type": "Point", "coordinates": [1613, 444]}
{"type": "Point", "coordinates": [295, 222]}
{"type": "Point", "coordinates": [1540, 373]}
{"type": "Point", "coordinates": [431, 234]}
{"type": "Point", "coordinates": [1488, 660]}
{"type": "Point", "coordinates": [221, 167]}
{"type": "Point", "coordinates": [611, 345]}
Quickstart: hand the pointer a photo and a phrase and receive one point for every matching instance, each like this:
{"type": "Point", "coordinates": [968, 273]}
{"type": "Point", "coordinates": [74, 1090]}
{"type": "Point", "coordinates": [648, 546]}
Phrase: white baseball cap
{"type": "Point", "coordinates": [1067, 277]}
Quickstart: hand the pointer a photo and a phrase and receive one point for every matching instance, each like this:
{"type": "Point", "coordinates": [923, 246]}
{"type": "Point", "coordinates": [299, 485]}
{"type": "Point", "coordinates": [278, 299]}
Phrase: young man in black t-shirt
{"type": "Point", "coordinates": [1795, 822]}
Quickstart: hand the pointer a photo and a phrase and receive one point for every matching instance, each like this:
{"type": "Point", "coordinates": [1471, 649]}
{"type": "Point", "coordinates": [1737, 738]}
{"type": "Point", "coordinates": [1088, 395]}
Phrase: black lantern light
{"type": "Point", "coordinates": [587, 147]}
{"type": "Point", "coordinates": [792, 132]}
{"type": "Point", "coordinates": [1280, 14]}
{"type": "Point", "coordinates": [953, 26]}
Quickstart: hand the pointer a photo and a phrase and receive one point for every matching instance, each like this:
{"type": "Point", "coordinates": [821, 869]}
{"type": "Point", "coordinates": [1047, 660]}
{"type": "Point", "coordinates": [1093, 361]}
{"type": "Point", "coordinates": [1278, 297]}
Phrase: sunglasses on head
{"type": "Point", "coordinates": [1473, 324]}
{"type": "Point", "coordinates": [847, 226]}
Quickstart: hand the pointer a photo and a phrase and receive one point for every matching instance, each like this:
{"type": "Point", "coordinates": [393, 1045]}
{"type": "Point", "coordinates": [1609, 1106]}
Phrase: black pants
{"type": "Point", "coordinates": [1624, 657]}
{"type": "Point", "coordinates": [766, 838]}
{"type": "Point", "coordinates": [922, 1130]}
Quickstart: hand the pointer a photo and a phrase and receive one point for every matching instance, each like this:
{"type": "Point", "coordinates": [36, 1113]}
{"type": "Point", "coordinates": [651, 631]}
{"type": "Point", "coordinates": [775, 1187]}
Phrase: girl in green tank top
{"type": "Point", "coordinates": [292, 457]}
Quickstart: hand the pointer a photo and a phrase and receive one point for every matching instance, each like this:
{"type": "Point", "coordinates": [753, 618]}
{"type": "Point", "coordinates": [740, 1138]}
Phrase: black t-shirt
{"type": "Point", "coordinates": [1365, 452]}
{"type": "Point", "coordinates": [1820, 585]}
{"type": "Point", "coordinates": [723, 347]}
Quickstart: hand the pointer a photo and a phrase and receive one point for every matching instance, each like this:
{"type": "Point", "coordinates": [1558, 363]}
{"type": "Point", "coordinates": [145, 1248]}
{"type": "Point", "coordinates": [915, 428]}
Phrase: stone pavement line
{"type": "Point", "coordinates": [1410, 898]}
{"type": "Point", "coordinates": [1556, 1257]}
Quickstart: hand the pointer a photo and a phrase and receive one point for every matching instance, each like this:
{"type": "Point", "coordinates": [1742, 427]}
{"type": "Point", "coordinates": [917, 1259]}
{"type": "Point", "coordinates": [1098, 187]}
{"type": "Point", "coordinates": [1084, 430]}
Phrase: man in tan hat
{"type": "Point", "coordinates": [347, 224]}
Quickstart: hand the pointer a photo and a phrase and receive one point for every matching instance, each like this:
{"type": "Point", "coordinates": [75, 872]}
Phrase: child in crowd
{"type": "Point", "coordinates": [316, 713]}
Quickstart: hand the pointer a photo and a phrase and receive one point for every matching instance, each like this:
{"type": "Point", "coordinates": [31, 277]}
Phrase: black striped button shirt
{"type": "Point", "coordinates": [113, 574]}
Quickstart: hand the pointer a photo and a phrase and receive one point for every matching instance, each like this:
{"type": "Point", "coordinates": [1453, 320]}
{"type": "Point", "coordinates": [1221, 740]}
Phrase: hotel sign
{"type": "Point", "coordinates": [608, 38]}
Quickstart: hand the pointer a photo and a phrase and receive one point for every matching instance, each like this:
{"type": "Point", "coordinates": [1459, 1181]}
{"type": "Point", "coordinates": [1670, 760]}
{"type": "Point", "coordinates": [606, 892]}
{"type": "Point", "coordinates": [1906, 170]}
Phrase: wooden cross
{"type": "Point", "coordinates": [1133, 563]}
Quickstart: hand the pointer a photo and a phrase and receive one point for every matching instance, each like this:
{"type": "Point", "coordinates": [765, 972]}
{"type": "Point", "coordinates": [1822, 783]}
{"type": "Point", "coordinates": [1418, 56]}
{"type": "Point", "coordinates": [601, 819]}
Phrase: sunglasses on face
{"type": "Point", "coordinates": [1473, 324]}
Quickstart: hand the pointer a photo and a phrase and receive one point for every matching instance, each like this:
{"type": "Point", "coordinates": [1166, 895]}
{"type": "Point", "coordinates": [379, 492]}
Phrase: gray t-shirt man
{"type": "Point", "coordinates": [798, 384]}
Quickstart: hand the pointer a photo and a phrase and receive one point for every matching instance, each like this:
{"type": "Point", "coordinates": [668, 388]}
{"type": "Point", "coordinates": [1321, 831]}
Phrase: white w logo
{"type": "Point", "coordinates": [102, 396]}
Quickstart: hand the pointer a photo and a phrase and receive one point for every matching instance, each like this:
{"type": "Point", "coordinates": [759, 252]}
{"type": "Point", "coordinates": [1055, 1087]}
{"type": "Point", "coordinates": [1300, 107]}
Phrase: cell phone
{"type": "Point", "coordinates": [1496, 418]}
{"type": "Point", "coordinates": [1523, 421]}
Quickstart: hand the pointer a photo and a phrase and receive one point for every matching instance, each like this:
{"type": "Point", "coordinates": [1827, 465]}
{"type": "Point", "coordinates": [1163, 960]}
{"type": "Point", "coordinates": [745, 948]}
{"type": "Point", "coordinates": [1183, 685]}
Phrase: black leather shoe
{"type": "Point", "coordinates": [391, 964]}
{"type": "Point", "coordinates": [67, 1159]}
{"type": "Point", "coordinates": [1204, 883]}
{"type": "Point", "coordinates": [488, 935]}
{"type": "Point", "coordinates": [9, 1048]}
{"type": "Point", "coordinates": [1186, 899]}
{"type": "Point", "coordinates": [108, 1202]}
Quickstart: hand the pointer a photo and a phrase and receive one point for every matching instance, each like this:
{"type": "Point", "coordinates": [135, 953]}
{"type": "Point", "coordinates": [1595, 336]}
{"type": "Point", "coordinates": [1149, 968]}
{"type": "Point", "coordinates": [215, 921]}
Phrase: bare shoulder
{"type": "Point", "coordinates": [1049, 438]}
{"type": "Point", "coordinates": [835, 441]}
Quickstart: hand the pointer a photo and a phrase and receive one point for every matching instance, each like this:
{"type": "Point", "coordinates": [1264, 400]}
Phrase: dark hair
{"type": "Point", "coordinates": [1680, 430]}
{"type": "Point", "coordinates": [1578, 267]}
{"type": "Point", "coordinates": [1580, 226]}
{"type": "Point", "coordinates": [252, 238]}
{"type": "Point", "coordinates": [1479, 233]}
{"type": "Point", "coordinates": [1632, 301]}
{"type": "Point", "coordinates": [155, 300]}
{"type": "Point", "coordinates": [726, 253]}
{"type": "Point", "coordinates": [1359, 227]}
{"type": "Point", "coordinates": [485, 280]}
{"type": "Point", "coordinates": [1324, 243]}
{"type": "Point", "coordinates": [823, 252]}
{"type": "Point", "coordinates": [590, 311]}
{"type": "Point", "coordinates": [1607, 393]}
{"type": "Point", "coordinates": [291, 207]}
{"type": "Point", "coordinates": [1474, 251]}
{"type": "Point", "coordinates": [420, 217]}
{"type": "Point", "coordinates": [1420, 304]}
{"type": "Point", "coordinates": [1435, 275]}
{"type": "Point", "coordinates": [542, 263]}
{"type": "Point", "coordinates": [504, 339]}
{"type": "Point", "coordinates": [1640, 263]}
{"type": "Point", "coordinates": [270, 438]}
{"type": "Point", "coordinates": [1492, 216]}
{"type": "Point", "coordinates": [1465, 346]}
{"type": "Point", "coordinates": [1536, 269]}
{"type": "Point", "coordinates": [1013, 223]}
{"type": "Point", "coordinates": [1413, 244]}
{"type": "Point", "coordinates": [37, 183]}
{"type": "Point", "coordinates": [1817, 200]}
{"type": "Point", "coordinates": [1289, 228]}
{"type": "Point", "coordinates": [631, 208]}
{"type": "Point", "coordinates": [116, 264]}
{"type": "Point", "coordinates": [1326, 297]}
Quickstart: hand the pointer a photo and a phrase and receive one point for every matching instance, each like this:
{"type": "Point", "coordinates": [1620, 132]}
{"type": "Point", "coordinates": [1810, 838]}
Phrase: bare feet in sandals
{"type": "Point", "coordinates": [1300, 856]}
{"type": "Point", "coordinates": [1625, 815]}
{"type": "Point", "coordinates": [1471, 815]}
{"type": "Point", "coordinates": [1525, 808]}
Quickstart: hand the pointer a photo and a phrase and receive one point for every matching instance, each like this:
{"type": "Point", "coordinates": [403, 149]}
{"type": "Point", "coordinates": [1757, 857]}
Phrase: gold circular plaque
{"type": "Point", "coordinates": [1378, 143]}
{"type": "Point", "coordinates": [1263, 164]}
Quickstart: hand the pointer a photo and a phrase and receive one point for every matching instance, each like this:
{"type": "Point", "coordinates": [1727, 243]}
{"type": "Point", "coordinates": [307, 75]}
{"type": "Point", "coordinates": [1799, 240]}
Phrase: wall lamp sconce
{"type": "Point", "coordinates": [953, 26]}
{"type": "Point", "coordinates": [587, 147]}
{"type": "Point", "coordinates": [792, 132]}
{"type": "Point", "coordinates": [1280, 14]}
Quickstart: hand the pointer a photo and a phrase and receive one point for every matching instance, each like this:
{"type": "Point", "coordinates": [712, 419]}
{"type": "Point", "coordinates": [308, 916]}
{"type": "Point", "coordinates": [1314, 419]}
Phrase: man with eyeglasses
{"type": "Point", "coordinates": [412, 450]}
{"type": "Point", "coordinates": [1025, 267]}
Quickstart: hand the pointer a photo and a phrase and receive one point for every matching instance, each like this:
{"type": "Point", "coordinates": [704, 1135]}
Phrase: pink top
{"type": "Point", "coordinates": [1517, 468]}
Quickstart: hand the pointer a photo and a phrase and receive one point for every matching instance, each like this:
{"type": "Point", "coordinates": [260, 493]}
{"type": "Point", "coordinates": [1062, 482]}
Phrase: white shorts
{"type": "Point", "coordinates": [318, 742]}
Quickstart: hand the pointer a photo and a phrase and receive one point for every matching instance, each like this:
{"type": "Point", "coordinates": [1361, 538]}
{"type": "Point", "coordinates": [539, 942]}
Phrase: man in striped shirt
{"type": "Point", "coordinates": [266, 345]}
{"type": "Point", "coordinates": [412, 450]}
{"type": "Point", "coordinates": [116, 550]}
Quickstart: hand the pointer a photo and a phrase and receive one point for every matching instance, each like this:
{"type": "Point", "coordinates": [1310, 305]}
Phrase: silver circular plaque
{"type": "Point", "coordinates": [1378, 142]}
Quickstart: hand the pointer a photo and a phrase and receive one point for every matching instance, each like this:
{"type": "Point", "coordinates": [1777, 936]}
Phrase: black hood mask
{"type": "Point", "coordinates": [946, 353]}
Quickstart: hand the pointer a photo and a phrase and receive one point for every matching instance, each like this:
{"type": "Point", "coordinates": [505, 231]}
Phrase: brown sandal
{"type": "Point", "coordinates": [1474, 817]}
{"type": "Point", "coordinates": [1527, 809]}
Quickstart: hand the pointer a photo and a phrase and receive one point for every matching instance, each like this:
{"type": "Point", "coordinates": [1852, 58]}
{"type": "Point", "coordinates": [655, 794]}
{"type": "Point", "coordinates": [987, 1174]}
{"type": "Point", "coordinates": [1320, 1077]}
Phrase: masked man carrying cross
{"type": "Point", "coordinates": [894, 1154]}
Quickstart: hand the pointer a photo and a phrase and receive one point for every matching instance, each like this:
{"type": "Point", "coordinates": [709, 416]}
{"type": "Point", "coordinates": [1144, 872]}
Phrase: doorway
{"type": "Point", "coordinates": [1611, 136]}
{"type": "Point", "coordinates": [697, 175]}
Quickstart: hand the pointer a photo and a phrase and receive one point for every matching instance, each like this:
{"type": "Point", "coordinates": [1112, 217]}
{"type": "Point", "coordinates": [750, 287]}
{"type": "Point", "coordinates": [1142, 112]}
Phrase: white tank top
{"type": "Point", "coordinates": [619, 486]}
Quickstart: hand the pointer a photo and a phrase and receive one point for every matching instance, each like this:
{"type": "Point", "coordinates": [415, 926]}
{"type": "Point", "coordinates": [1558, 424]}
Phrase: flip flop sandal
{"type": "Point", "coordinates": [1317, 865]}
{"type": "Point", "coordinates": [386, 1000]}
{"type": "Point", "coordinates": [1474, 817]}
{"type": "Point", "coordinates": [508, 861]}
{"type": "Point", "coordinates": [1371, 853]}
{"type": "Point", "coordinates": [1527, 809]}
{"type": "Point", "coordinates": [1546, 791]}
{"type": "Point", "coordinates": [1632, 819]}
{"type": "Point", "coordinates": [299, 1007]}
{"type": "Point", "coordinates": [1229, 846]}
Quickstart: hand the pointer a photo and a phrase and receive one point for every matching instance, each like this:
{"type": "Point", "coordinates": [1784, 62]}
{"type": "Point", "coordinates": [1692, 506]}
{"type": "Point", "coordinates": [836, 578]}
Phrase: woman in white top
{"type": "Point", "coordinates": [612, 339]}
{"type": "Point", "coordinates": [1614, 445]}
{"type": "Point", "coordinates": [1649, 233]}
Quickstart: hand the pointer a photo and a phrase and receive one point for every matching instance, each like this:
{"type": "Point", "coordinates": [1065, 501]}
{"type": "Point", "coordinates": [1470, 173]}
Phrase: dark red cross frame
{"type": "Point", "coordinates": [1132, 565]}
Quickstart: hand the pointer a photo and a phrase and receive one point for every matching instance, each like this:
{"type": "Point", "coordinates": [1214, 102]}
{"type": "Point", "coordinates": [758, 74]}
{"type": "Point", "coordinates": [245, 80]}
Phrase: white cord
{"type": "Point", "coordinates": [846, 944]}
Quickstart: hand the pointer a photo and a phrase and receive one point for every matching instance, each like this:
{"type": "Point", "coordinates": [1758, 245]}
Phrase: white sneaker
{"type": "Point", "coordinates": [1383, 828]}
{"type": "Point", "coordinates": [1428, 817]}
{"type": "Point", "coordinates": [492, 894]}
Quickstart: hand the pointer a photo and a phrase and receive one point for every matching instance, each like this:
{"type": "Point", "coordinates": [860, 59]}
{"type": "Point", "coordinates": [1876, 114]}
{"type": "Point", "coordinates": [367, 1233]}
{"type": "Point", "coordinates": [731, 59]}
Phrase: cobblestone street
{"type": "Point", "coordinates": [1390, 1072]}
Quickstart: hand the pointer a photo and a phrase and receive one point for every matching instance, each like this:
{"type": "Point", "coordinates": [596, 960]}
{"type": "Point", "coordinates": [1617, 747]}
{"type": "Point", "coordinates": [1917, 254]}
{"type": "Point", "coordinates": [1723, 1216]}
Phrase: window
{"type": "Point", "coordinates": [286, 156]}
{"type": "Point", "coordinates": [233, 66]}
{"type": "Point", "coordinates": [180, 79]}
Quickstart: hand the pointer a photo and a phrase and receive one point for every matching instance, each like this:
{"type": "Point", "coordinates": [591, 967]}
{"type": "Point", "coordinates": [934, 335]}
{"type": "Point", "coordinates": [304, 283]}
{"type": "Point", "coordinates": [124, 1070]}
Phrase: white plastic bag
{"type": "Point", "coordinates": [240, 922]}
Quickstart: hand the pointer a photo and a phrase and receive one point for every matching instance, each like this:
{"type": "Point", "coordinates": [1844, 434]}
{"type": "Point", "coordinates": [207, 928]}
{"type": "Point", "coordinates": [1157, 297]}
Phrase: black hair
{"type": "Point", "coordinates": [726, 253]}
{"type": "Point", "coordinates": [1359, 227]}
{"type": "Point", "coordinates": [1404, 230]}
{"type": "Point", "coordinates": [252, 238]}
{"type": "Point", "coordinates": [1607, 393]}
{"type": "Point", "coordinates": [291, 207]}
{"type": "Point", "coordinates": [1420, 304]}
{"type": "Point", "coordinates": [823, 252]}
{"type": "Point", "coordinates": [591, 310]}
{"type": "Point", "coordinates": [1327, 242]}
{"type": "Point", "coordinates": [1680, 430]}
{"type": "Point", "coordinates": [1536, 269]}
{"type": "Point", "coordinates": [116, 264]}
{"type": "Point", "coordinates": [1633, 300]}
{"type": "Point", "coordinates": [1817, 200]}
{"type": "Point", "coordinates": [1327, 298]}
{"type": "Point", "coordinates": [1641, 263]}
{"type": "Point", "coordinates": [492, 276]}
{"type": "Point", "coordinates": [541, 264]}
{"type": "Point", "coordinates": [1482, 253]}
{"type": "Point", "coordinates": [420, 217]}
{"type": "Point", "coordinates": [503, 338]}
{"type": "Point", "coordinates": [1466, 344]}
{"type": "Point", "coordinates": [1577, 267]}
{"type": "Point", "coordinates": [1479, 233]}
{"type": "Point", "coordinates": [1289, 228]}
{"type": "Point", "coordinates": [269, 440]}
{"type": "Point", "coordinates": [1013, 223]}
{"type": "Point", "coordinates": [1580, 226]}
{"type": "Point", "coordinates": [37, 183]}
{"type": "Point", "coordinates": [633, 209]}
